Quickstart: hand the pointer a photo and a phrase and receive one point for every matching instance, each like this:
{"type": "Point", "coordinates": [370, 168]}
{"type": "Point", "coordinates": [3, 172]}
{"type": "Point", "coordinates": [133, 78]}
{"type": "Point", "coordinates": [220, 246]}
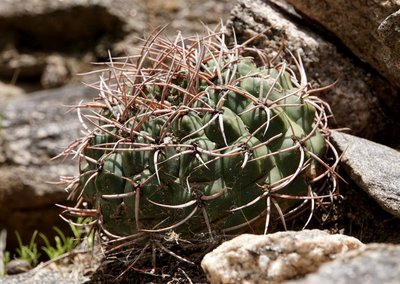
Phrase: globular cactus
{"type": "Point", "coordinates": [193, 137]}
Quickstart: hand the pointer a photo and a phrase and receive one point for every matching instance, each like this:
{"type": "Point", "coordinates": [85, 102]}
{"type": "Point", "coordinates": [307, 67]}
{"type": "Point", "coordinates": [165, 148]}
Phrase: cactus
{"type": "Point", "coordinates": [194, 137]}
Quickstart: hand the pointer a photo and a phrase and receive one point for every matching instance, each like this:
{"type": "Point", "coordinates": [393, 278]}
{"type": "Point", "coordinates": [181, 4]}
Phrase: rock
{"type": "Point", "coordinates": [72, 28]}
{"type": "Point", "coordinates": [77, 28]}
{"type": "Point", "coordinates": [16, 65]}
{"type": "Point", "coordinates": [37, 128]}
{"type": "Point", "coordinates": [17, 266]}
{"type": "Point", "coordinates": [376, 263]}
{"type": "Point", "coordinates": [27, 201]}
{"type": "Point", "coordinates": [61, 25]}
{"type": "Point", "coordinates": [34, 130]}
{"type": "Point", "coordinates": [56, 73]}
{"type": "Point", "coordinates": [9, 92]}
{"type": "Point", "coordinates": [45, 276]}
{"type": "Point", "coordinates": [389, 31]}
{"type": "Point", "coordinates": [360, 98]}
{"type": "Point", "coordinates": [373, 167]}
{"type": "Point", "coordinates": [275, 257]}
{"type": "Point", "coordinates": [356, 24]}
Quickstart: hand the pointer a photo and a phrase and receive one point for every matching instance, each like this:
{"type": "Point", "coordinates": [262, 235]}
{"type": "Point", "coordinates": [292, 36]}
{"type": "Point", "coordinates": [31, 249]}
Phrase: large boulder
{"type": "Point", "coordinates": [361, 98]}
{"type": "Point", "coordinates": [357, 25]}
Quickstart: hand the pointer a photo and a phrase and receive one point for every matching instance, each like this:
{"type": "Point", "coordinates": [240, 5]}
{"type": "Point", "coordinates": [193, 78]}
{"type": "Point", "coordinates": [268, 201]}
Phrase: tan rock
{"type": "Point", "coordinates": [274, 257]}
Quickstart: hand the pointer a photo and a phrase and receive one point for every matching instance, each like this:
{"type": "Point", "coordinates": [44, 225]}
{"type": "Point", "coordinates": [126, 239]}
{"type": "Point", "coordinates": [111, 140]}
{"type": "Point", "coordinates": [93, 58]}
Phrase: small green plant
{"type": "Point", "coordinates": [30, 252]}
{"type": "Point", "coordinates": [64, 244]}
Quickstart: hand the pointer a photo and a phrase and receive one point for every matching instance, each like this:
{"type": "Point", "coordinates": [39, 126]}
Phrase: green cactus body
{"type": "Point", "coordinates": [233, 127]}
{"type": "Point", "coordinates": [202, 143]}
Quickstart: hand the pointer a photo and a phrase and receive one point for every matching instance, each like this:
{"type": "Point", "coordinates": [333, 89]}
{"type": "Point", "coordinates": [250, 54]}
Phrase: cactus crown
{"type": "Point", "coordinates": [192, 136]}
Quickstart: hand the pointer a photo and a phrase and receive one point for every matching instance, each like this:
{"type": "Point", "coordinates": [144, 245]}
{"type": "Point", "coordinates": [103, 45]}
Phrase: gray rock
{"type": "Point", "coordinates": [68, 27]}
{"type": "Point", "coordinates": [360, 98]}
{"type": "Point", "coordinates": [37, 128]}
{"type": "Point", "coordinates": [45, 276]}
{"type": "Point", "coordinates": [373, 167]}
{"type": "Point", "coordinates": [76, 24]}
{"type": "Point", "coordinates": [356, 24]}
{"type": "Point", "coordinates": [275, 257]}
{"type": "Point", "coordinates": [376, 263]}
{"type": "Point", "coordinates": [34, 130]}
{"type": "Point", "coordinates": [18, 266]}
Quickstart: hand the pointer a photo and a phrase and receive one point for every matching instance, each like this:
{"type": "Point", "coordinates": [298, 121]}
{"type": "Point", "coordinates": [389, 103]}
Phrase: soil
{"type": "Point", "coordinates": [166, 269]}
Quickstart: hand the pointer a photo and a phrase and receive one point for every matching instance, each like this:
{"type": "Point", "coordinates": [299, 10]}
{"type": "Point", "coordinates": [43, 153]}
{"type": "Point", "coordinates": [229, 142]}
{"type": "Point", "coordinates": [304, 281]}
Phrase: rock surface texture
{"type": "Point", "coordinates": [389, 31]}
{"type": "Point", "coordinates": [71, 28]}
{"type": "Point", "coordinates": [356, 23]}
{"type": "Point", "coordinates": [375, 263]}
{"type": "Point", "coordinates": [34, 130]}
{"type": "Point", "coordinates": [360, 97]}
{"type": "Point", "coordinates": [64, 24]}
{"type": "Point", "coordinates": [373, 167]}
{"type": "Point", "coordinates": [275, 257]}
